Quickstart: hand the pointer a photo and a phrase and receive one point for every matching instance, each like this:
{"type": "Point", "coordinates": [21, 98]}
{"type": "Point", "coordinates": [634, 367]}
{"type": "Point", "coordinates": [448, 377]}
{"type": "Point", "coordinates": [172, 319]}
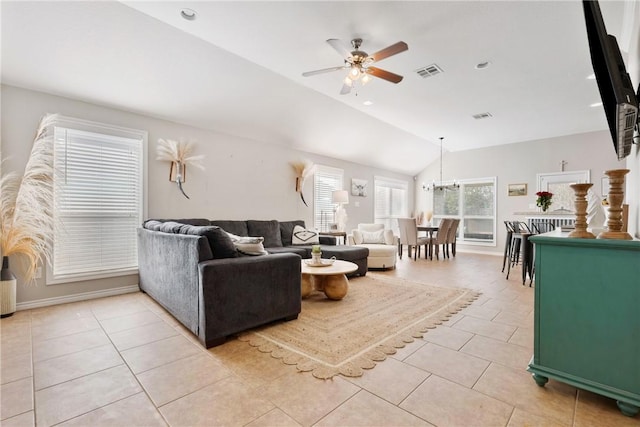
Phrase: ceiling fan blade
{"type": "Point", "coordinates": [384, 74]}
{"type": "Point", "coordinates": [389, 51]}
{"type": "Point", "coordinates": [340, 47]}
{"type": "Point", "coordinates": [346, 89]}
{"type": "Point", "coordinates": [324, 70]}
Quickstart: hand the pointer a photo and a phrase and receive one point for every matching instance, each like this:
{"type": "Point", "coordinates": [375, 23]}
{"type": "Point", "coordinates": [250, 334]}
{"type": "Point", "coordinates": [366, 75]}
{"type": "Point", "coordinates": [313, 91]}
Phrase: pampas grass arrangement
{"type": "Point", "coordinates": [303, 169]}
{"type": "Point", "coordinates": [178, 152]}
{"type": "Point", "coordinates": [26, 204]}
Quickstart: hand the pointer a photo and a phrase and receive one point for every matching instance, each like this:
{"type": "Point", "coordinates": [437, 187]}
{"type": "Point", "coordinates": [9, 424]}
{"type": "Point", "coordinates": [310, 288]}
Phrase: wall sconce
{"type": "Point", "coordinates": [178, 153]}
{"type": "Point", "coordinates": [303, 169]}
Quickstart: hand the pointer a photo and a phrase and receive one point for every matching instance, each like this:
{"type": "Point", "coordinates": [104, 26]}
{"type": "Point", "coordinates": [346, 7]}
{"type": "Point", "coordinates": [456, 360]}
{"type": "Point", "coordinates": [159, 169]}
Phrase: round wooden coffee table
{"type": "Point", "coordinates": [329, 279]}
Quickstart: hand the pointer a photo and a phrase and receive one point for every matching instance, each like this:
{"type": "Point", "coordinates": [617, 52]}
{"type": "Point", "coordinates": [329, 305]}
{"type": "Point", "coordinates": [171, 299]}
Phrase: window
{"type": "Point", "coordinates": [326, 180]}
{"type": "Point", "coordinates": [391, 202]}
{"type": "Point", "coordinates": [98, 200]}
{"type": "Point", "coordinates": [474, 203]}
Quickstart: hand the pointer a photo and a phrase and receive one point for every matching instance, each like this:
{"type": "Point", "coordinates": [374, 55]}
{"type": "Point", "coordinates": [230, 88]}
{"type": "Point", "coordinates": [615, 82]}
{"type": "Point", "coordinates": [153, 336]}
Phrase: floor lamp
{"type": "Point", "coordinates": [340, 198]}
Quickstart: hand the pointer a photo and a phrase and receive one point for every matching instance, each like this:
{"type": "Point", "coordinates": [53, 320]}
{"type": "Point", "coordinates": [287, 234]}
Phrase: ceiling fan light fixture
{"type": "Point", "coordinates": [365, 78]}
{"type": "Point", "coordinates": [354, 73]}
{"type": "Point", "coordinates": [348, 81]}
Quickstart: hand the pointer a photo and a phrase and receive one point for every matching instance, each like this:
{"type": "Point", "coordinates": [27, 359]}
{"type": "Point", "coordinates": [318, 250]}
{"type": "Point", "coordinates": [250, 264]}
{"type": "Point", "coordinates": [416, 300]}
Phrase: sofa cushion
{"type": "Point", "coordinates": [169, 227]}
{"type": "Point", "coordinates": [239, 228]}
{"type": "Point", "coordinates": [220, 243]}
{"type": "Point", "coordinates": [286, 231]}
{"type": "Point", "coordinates": [190, 221]}
{"type": "Point", "coordinates": [303, 252]}
{"type": "Point", "coordinates": [302, 236]}
{"type": "Point", "coordinates": [270, 230]}
{"type": "Point", "coordinates": [372, 236]}
{"type": "Point", "coordinates": [248, 245]}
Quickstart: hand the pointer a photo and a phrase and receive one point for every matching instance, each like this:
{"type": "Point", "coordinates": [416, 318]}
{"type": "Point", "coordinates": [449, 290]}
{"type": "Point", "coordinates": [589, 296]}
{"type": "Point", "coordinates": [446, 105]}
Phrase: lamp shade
{"type": "Point", "coordinates": [340, 196]}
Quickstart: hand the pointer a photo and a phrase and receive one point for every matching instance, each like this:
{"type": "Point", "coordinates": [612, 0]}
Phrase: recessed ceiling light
{"type": "Point", "coordinates": [188, 14]}
{"type": "Point", "coordinates": [483, 65]}
{"type": "Point", "coordinates": [591, 77]}
{"type": "Point", "coordinates": [596, 104]}
{"type": "Point", "coordinates": [367, 103]}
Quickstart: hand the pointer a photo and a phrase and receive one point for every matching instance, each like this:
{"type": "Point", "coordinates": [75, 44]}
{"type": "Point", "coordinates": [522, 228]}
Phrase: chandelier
{"type": "Point", "coordinates": [440, 186]}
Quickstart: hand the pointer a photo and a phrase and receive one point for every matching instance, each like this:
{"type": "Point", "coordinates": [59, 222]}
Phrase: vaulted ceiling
{"type": "Point", "coordinates": [237, 68]}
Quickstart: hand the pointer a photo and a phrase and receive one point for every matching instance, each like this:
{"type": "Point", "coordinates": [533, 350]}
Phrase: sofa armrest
{"type": "Point", "coordinates": [168, 271]}
{"type": "Point", "coordinates": [241, 293]}
{"type": "Point", "coordinates": [389, 238]}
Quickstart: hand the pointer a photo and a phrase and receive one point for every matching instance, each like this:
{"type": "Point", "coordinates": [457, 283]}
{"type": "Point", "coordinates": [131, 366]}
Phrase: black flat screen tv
{"type": "Point", "coordinates": [618, 98]}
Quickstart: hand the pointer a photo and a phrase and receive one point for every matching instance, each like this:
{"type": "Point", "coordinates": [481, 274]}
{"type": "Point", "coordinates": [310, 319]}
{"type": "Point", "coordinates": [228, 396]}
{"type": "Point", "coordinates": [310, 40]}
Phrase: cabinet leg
{"type": "Point", "coordinates": [540, 380]}
{"type": "Point", "coordinates": [628, 409]}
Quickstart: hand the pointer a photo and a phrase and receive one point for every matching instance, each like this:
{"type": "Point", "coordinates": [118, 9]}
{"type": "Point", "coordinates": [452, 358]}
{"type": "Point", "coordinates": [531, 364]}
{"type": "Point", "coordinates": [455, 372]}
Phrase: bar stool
{"type": "Point", "coordinates": [507, 244]}
{"type": "Point", "coordinates": [519, 238]}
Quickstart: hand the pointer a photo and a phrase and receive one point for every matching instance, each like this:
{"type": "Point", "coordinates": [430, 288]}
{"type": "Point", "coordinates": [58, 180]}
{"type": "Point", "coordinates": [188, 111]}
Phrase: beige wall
{"type": "Point", "coordinates": [519, 163]}
{"type": "Point", "coordinates": [243, 179]}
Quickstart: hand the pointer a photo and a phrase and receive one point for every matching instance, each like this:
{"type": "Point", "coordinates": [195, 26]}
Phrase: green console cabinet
{"type": "Point", "coordinates": [587, 316]}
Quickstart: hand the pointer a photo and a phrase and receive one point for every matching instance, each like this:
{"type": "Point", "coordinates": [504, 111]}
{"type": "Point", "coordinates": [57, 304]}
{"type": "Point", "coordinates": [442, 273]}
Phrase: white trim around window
{"type": "Point", "coordinates": [99, 200]}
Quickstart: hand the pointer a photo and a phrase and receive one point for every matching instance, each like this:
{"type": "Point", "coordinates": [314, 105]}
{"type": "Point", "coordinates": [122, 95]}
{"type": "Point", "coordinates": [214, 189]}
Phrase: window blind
{"type": "Point", "coordinates": [391, 201]}
{"type": "Point", "coordinates": [98, 203]}
{"type": "Point", "coordinates": [326, 180]}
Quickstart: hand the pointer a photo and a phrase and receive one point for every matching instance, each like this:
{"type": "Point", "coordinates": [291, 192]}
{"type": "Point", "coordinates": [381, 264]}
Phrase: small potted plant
{"type": "Point", "coordinates": [316, 254]}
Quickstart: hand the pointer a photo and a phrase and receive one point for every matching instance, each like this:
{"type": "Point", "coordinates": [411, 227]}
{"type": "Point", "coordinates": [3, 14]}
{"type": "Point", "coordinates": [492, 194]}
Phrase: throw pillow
{"type": "Point", "coordinates": [248, 245]}
{"type": "Point", "coordinates": [301, 236]}
{"type": "Point", "coordinates": [220, 243]}
{"type": "Point", "coordinates": [372, 236]}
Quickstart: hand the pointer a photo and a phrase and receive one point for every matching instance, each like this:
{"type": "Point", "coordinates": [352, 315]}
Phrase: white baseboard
{"type": "Point", "coordinates": [76, 297]}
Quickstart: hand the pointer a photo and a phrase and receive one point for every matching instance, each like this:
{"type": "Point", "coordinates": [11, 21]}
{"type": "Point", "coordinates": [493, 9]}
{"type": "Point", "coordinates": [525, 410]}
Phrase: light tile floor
{"type": "Point", "coordinates": [123, 361]}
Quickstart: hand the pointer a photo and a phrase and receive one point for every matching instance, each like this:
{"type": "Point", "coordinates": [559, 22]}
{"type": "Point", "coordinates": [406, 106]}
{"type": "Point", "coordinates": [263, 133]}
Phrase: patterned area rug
{"type": "Point", "coordinates": [378, 315]}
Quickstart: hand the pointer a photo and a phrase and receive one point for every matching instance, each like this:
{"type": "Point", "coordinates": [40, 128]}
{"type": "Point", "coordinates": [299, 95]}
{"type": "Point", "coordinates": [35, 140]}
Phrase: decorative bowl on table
{"type": "Point", "coordinates": [322, 263]}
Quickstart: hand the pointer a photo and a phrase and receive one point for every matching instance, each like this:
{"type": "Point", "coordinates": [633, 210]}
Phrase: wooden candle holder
{"type": "Point", "coordinates": [615, 198]}
{"type": "Point", "coordinates": [580, 231]}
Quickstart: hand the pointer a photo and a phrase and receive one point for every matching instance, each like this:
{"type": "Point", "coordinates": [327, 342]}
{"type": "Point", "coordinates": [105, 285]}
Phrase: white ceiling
{"type": "Point", "coordinates": [237, 69]}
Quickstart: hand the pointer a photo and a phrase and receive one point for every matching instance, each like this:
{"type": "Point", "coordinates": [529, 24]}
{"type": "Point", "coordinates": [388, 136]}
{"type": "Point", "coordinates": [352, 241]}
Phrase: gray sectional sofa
{"type": "Point", "coordinates": [191, 268]}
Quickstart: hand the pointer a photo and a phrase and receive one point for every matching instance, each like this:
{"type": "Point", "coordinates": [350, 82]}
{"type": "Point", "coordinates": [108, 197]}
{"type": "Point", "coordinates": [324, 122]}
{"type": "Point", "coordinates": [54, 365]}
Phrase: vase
{"type": "Point", "coordinates": [7, 290]}
{"type": "Point", "coordinates": [615, 198]}
{"type": "Point", "coordinates": [580, 230]}
{"type": "Point", "coordinates": [316, 258]}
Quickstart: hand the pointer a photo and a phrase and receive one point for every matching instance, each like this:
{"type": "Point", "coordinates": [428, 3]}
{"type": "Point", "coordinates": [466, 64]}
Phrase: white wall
{"type": "Point", "coordinates": [243, 179]}
{"type": "Point", "coordinates": [633, 161]}
{"type": "Point", "coordinates": [519, 163]}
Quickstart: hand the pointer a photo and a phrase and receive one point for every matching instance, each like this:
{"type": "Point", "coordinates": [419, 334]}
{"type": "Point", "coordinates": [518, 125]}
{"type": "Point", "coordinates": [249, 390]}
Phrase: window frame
{"type": "Point", "coordinates": [109, 131]}
{"type": "Point", "coordinates": [461, 216]}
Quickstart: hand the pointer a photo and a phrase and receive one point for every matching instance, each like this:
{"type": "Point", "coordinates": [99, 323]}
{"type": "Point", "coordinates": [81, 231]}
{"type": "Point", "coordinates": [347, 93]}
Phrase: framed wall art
{"type": "Point", "coordinates": [359, 187]}
{"type": "Point", "coordinates": [517, 189]}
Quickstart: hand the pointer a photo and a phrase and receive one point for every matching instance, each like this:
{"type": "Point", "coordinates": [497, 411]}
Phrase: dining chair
{"type": "Point", "coordinates": [441, 237]}
{"type": "Point", "coordinates": [452, 236]}
{"type": "Point", "coordinates": [409, 237]}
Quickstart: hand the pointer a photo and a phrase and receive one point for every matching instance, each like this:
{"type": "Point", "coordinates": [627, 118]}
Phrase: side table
{"type": "Point", "coordinates": [336, 234]}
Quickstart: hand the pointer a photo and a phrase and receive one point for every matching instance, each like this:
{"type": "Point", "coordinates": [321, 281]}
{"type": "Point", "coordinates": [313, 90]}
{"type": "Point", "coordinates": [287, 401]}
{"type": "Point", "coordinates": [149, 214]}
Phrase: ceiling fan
{"type": "Point", "coordinates": [359, 63]}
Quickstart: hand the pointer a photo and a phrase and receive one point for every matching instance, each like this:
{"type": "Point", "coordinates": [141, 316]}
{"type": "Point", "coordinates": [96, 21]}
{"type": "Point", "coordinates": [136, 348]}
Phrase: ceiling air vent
{"type": "Point", "coordinates": [429, 71]}
{"type": "Point", "coordinates": [482, 116]}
